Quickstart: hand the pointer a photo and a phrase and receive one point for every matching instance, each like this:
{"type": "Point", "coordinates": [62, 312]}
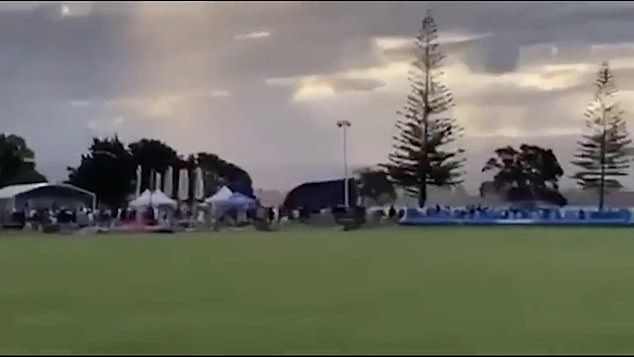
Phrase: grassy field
{"type": "Point", "coordinates": [395, 290]}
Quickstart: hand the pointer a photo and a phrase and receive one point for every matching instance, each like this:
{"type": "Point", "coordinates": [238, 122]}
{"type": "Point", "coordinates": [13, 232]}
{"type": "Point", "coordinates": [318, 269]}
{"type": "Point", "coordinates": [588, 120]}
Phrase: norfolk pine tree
{"type": "Point", "coordinates": [420, 155]}
{"type": "Point", "coordinates": [604, 151]}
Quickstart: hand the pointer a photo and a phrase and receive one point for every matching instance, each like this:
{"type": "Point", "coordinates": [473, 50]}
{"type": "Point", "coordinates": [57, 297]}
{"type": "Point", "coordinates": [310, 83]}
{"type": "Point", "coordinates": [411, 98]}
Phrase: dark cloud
{"type": "Point", "coordinates": [58, 72]}
{"type": "Point", "coordinates": [508, 94]}
{"type": "Point", "coordinates": [353, 84]}
{"type": "Point", "coordinates": [582, 13]}
{"type": "Point", "coordinates": [498, 54]}
{"type": "Point", "coordinates": [457, 47]}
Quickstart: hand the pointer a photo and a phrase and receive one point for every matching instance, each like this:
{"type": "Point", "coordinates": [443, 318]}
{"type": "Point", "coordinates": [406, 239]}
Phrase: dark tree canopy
{"type": "Point", "coordinates": [422, 154]}
{"type": "Point", "coordinates": [26, 174]}
{"type": "Point", "coordinates": [153, 156]}
{"type": "Point", "coordinates": [218, 172]}
{"type": "Point", "coordinates": [17, 162]}
{"type": "Point", "coordinates": [11, 162]}
{"type": "Point", "coordinates": [529, 174]}
{"type": "Point", "coordinates": [108, 170]}
{"type": "Point", "coordinates": [376, 185]}
{"type": "Point", "coordinates": [603, 153]}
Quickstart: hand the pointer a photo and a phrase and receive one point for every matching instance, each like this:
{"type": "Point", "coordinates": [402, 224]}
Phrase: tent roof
{"type": "Point", "coordinates": [228, 199]}
{"type": "Point", "coordinates": [222, 194]}
{"type": "Point", "coordinates": [160, 197]}
{"type": "Point", "coordinates": [239, 197]}
{"type": "Point", "coordinates": [155, 199]}
{"type": "Point", "coordinates": [15, 190]}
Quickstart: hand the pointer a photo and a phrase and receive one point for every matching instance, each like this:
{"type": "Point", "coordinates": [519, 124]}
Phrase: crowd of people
{"type": "Point", "coordinates": [185, 216]}
{"type": "Point", "coordinates": [501, 213]}
{"type": "Point", "coordinates": [41, 217]}
{"type": "Point", "coordinates": [149, 216]}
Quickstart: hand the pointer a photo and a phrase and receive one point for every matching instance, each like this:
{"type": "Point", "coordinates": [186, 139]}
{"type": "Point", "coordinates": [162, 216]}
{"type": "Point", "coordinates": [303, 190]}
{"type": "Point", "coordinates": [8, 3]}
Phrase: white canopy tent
{"type": "Point", "coordinates": [221, 195]}
{"type": "Point", "coordinates": [214, 202]}
{"type": "Point", "coordinates": [226, 200]}
{"type": "Point", "coordinates": [155, 199]}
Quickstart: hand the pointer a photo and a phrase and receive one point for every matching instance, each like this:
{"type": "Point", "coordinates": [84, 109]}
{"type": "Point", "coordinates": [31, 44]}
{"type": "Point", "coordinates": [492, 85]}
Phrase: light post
{"type": "Point", "coordinates": [345, 124]}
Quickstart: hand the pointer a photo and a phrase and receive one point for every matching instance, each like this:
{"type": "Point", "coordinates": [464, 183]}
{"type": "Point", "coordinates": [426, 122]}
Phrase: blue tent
{"type": "Point", "coordinates": [242, 188]}
{"type": "Point", "coordinates": [238, 201]}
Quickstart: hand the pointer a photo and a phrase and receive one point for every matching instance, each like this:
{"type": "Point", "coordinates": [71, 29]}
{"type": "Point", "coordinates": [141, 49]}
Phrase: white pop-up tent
{"type": "Point", "coordinates": [221, 195]}
{"type": "Point", "coordinates": [215, 201]}
{"type": "Point", "coordinates": [225, 199]}
{"type": "Point", "coordinates": [155, 199]}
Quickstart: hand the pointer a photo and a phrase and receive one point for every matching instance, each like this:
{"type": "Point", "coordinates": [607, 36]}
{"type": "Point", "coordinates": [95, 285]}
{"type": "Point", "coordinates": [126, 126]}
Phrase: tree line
{"type": "Point", "coordinates": [108, 168]}
{"type": "Point", "coordinates": [17, 162]}
{"type": "Point", "coordinates": [425, 153]}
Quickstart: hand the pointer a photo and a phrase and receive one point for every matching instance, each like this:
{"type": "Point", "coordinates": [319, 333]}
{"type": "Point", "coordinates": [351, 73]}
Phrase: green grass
{"type": "Point", "coordinates": [397, 290]}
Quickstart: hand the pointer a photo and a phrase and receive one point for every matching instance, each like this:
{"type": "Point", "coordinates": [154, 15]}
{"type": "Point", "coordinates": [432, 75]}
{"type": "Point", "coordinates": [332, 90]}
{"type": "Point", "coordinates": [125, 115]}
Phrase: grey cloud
{"type": "Point", "coordinates": [355, 84]}
{"type": "Point", "coordinates": [134, 50]}
{"type": "Point", "coordinates": [496, 55]}
{"type": "Point", "coordinates": [581, 13]}
{"type": "Point", "coordinates": [532, 122]}
{"type": "Point", "coordinates": [457, 48]}
{"type": "Point", "coordinates": [80, 103]}
{"type": "Point", "coordinates": [338, 83]}
{"type": "Point", "coordinates": [19, 5]}
{"type": "Point", "coordinates": [397, 54]}
{"type": "Point", "coordinates": [318, 46]}
{"type": "Point", "coordinates": [512, 95]}
{"type": "Point", "coordinates": [541, 110]}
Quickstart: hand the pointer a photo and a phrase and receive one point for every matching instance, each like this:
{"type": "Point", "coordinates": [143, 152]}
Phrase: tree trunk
{"type": "Point", "coordinates": [603, 153]}
{"type": "Point", "coordinates": [426, 110]}
{"type": "Point", "coordinates": [422, 195]}
{"type": "Point", "coordinates": [601, 196]}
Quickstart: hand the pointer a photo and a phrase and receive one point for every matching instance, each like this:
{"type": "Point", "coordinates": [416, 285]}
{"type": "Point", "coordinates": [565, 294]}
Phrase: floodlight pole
{"type": "Point", "coordinates": [345, 124]}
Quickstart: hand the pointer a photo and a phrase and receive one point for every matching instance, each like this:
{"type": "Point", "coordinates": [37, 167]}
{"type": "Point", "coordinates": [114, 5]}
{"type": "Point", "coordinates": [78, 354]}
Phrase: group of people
{"type": "Point", "coordinates": [480, 211]}
{"type": "Point", "coordinates": [35, 218]}
{"type": "Point", "coordinates": [150, 216]}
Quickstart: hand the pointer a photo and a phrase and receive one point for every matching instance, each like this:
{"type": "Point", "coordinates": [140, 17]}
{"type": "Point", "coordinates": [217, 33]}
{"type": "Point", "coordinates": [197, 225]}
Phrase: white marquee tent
{"type": "Point", "coordinates": [222, 195]}
{"type": "Point", "coordinates": [155, 199]}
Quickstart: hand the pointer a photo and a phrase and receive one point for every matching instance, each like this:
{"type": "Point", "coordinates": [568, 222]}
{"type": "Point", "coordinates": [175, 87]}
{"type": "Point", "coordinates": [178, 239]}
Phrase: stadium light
{"type": "Point", "coordinates": [345, 124]}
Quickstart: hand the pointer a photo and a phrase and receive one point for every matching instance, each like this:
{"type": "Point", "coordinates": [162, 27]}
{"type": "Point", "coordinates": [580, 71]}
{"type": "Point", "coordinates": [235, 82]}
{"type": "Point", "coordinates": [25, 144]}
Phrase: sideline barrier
{"type": "Point", "coordinates": [543, 217]}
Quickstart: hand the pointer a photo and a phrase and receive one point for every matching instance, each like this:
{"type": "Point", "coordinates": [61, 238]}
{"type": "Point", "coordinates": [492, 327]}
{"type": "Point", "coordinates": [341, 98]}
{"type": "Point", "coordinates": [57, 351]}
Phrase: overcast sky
{"type": "Point", "coordinates": [262, 84]}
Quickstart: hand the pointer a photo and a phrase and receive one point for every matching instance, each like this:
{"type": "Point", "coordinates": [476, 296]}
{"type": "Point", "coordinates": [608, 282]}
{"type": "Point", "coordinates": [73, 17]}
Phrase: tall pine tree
{"type": "Point", "coordinates": [603, 153]}
{"type": "Point", "coordinates": [420, 155]}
